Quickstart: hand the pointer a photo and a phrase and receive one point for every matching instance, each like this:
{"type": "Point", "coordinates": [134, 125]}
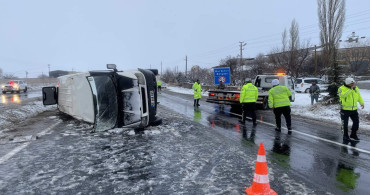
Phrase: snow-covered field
{"type": "Point", "coordinates": [302, 107]}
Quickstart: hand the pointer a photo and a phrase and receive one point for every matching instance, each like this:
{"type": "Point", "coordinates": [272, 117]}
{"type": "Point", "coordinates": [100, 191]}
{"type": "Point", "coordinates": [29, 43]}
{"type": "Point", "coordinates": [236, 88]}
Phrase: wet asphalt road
{"type": "Point", "coordinates": [194, 151]}
{"type": "Point", "coordinates": [9, 100]}
{"type": "Point", "coordinates": [314, 152]}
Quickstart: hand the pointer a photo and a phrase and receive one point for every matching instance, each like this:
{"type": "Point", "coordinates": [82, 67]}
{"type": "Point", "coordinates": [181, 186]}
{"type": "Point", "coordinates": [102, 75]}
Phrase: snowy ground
{"type": "Point", "coordinates": [302, 107]}
{"type": "Point", "coordinates": [11, 116]}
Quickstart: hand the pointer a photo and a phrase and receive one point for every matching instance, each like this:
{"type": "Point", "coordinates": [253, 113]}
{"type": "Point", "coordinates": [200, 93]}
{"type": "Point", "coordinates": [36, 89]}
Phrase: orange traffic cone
{"type": "Point", "coordinates": [261, 184]}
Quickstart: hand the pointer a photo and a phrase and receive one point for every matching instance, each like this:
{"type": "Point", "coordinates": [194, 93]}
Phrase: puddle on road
{"type": "Point", "coordinates": [15, 98]}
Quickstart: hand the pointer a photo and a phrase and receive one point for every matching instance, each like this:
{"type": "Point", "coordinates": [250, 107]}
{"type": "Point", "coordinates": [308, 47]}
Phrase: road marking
{"type": "Point", "coordinates": [312, 136]}
{"type": "Point", "coordinates": [21, 147]}
{"type": "Point", "coordinates": [44, 132]}
{"type": "Point", "coordinates": [13, 152]}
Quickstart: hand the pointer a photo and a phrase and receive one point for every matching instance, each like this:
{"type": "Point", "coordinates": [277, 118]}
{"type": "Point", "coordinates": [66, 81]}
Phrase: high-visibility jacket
{"type": "Point", "coordinates": [159, 83]}
{"type": "Point", "coordinates": [279, 96]}
{"type": "Point", "coordinates": [349, 97]}
{"type": "Point", "coordinates": [197, 90]}
{"type": "Point", "coordinates": [249, 93]}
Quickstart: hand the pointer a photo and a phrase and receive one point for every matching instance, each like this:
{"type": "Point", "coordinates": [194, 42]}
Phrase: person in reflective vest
{"type": "Point", "coordinates": [248, 98]}
{"type": "Point", "coordinates": [159, 85]}
{"type": "Point", "coordinates": [279, 101]}
{"type": "Point", "coordinates": [349, 96]}
{"type": "Point", "coordinates": [197, 92]}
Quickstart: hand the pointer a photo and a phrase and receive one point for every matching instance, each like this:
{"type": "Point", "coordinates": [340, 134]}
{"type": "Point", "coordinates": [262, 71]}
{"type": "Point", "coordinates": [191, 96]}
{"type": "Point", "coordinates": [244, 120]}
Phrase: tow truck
{"type": "Point", "coordinates": [262, 82]}
{"type": "Point", "coordinates": [107, 99]}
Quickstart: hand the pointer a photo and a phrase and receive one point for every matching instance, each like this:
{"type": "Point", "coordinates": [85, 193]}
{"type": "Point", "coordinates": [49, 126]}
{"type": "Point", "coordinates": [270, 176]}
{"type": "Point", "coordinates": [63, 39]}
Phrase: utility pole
{"type": "Point", "coordinates": [315, 62]}
{"type": "Point", "coordinates": [49, 69]}
{"type": "Point", "coordinates": [161, 68]}
{"type": "Point", "coordinates": [242, 44]}
{"type": "Point", "coordinates": [150, 66]}
{"type": "Point", "coordinates": [186, 66]}
{"type": "Point", "coordinates": [26, 74]}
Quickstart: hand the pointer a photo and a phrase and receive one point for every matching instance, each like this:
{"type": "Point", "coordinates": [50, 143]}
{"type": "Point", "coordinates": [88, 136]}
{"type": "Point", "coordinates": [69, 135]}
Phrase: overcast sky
{"type": "Point", "coordinates": [84, 35]}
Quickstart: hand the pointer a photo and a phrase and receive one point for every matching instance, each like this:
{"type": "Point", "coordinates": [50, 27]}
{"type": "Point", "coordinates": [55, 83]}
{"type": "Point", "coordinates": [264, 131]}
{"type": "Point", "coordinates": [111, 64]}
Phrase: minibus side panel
{"type": "Point", "coordinates": [75, 97]}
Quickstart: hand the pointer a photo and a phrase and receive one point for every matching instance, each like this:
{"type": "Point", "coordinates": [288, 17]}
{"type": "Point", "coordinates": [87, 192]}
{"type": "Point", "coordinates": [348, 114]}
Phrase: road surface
{"type": "Point", "coordinates": [194, 151]}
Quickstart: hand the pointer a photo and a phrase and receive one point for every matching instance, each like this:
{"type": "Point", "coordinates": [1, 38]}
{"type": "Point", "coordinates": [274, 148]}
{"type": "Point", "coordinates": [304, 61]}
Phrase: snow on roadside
{"type": "Point", "coordinates": [9, 117]}
{"type": "Point", "coordinates": [39, 86]}
{"type": "Point", "coordinates": [302, 107]}
{"type": "Point", "coordinates": [185, 91]}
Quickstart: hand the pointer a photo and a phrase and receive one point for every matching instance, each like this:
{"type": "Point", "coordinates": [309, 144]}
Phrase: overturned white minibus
{"type": "Point", "coordinates": [107, 99]}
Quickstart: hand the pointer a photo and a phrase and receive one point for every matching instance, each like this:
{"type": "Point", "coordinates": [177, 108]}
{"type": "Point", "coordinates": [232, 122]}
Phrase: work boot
{"type": "Point", "coordinates": [346, 137]}
{"type": "Point", "coordinates": [354, 137]}
{"type": "Point", "coordinates": [277, 129]}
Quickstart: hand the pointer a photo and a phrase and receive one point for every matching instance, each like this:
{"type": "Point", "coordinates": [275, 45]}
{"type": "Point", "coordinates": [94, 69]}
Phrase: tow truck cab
{"type": "Point", "coordinates": [107, 99]}
{"type": "Point", "coordinates": [262, 82]}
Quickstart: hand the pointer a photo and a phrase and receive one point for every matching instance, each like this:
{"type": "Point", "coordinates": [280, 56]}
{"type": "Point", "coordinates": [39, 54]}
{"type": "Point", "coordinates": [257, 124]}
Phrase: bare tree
{"type": "Point", "coordinates": [293, 54]}
{"type": "Point", "coordinates": [9, 76]}
{"type": "Point", "coordinates": [233, 64]}
{"type": "Point", "coordinates": [195, 73]}
{"type": "Point", "coordinates": [168, 76]}
{"type": "Point", "coordinates": [1, 73]}
{"type": "Point", "coordinates": [260, 65]}
{"type": "Point", "coordinates": [331, 19]}
{"type": "Point", "coordinates": [331, 15]}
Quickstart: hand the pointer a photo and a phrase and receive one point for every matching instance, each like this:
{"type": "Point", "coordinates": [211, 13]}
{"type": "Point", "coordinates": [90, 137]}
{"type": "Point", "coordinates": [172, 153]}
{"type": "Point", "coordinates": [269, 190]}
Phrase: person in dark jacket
{"type": "Point", "coordinates": [221, 86]}
{"type": "Point", "coordinates": [314, 92]}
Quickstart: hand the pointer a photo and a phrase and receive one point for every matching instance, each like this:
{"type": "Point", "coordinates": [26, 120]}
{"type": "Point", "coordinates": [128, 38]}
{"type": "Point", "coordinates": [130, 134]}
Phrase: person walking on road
{"type": "Point", "coordinates": [197, 92]}
{"type": "Point", "coordinates": [279, 101]}
{"type": "Point", "coordinates": [248, 98]}
{"type": "Point", "coordinates": [159, 85]}
{"type": "Point", "coordinates": [314, 92]}
{"type": "Point", "coordinates": [349, 95]}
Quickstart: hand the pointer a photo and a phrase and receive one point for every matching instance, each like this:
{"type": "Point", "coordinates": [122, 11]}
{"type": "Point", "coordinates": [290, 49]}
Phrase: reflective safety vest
{"type": "Point", "coordinates": [349, 97]}
{"type": "Point", "coordinates": [249, 93]}
{"type": "Point", "coordinates": [197, 90]}
{"type": "Point", "coordinates": [159, 83]}
{"type": "Point", "coordinates": [279, 96]}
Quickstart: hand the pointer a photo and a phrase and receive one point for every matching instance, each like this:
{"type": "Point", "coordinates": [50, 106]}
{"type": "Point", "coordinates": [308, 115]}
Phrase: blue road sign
{"type": "Point", "coordinates": [221, 74]}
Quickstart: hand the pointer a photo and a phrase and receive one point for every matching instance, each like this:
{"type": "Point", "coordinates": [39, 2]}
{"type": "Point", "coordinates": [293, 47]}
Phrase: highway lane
{"type": "Point", "coordinates": [314, 152]}
{"type": "Point", "coordinates": [11, 100]}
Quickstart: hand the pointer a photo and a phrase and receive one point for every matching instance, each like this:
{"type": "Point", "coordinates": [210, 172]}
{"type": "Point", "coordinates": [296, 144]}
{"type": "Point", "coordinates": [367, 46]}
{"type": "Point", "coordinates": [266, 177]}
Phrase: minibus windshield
{"type": "Point", "coordinates": [105, 102]}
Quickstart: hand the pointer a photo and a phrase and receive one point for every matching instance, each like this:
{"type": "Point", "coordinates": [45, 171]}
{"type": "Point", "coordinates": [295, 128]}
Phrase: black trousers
{"type": "Point", "coordinates": [196, 102]}
{"type": "Point", "coordinates": [249, 108]}
{"type": "Point", "coordinates": [345, 115]}
{"type": "Point", "coordinates": [283, 111]}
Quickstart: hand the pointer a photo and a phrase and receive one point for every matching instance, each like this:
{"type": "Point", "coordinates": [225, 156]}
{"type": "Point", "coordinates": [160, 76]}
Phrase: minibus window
{"type": "Point", "coordinates": [105, 100]}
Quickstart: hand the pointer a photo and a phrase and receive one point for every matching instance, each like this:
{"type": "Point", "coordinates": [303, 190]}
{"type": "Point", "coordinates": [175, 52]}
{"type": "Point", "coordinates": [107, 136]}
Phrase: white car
{"type": "Point", "coordinates": [302, 85]}
{"type": "Point", "coordinates": [14, 86]}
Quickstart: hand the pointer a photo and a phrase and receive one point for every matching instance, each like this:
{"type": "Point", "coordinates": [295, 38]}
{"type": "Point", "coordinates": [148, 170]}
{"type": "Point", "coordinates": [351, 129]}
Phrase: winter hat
{"type": "Point", "coordinates": [349, 81]}
{"type": "Point", "coordinates": [275, 82]}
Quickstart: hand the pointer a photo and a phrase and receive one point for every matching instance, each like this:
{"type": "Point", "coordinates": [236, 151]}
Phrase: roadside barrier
{"type": "Point", "coordinates": [261, 183]}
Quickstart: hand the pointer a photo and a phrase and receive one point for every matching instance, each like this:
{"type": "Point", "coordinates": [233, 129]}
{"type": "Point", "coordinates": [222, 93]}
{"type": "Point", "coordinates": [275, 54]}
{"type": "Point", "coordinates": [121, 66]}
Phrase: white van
{"type": "Point", "coordinates": [107, 99]}
{"type": "Point", "coordinates": [303, 84]}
